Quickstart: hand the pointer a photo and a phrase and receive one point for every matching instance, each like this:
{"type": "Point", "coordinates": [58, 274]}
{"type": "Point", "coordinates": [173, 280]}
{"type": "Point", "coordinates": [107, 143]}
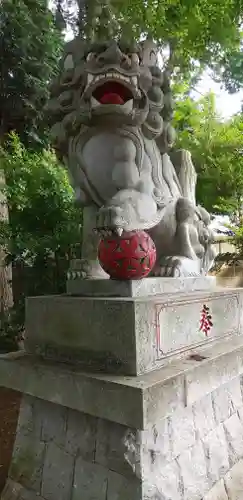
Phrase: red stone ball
{"type": "Point", "coordinates": [127, 257]}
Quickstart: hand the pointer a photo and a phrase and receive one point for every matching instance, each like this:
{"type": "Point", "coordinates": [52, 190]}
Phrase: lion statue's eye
{"type": "Point", "coordinates": [135, 58]}
{"type": "Point", "coordinates": [89, 56]}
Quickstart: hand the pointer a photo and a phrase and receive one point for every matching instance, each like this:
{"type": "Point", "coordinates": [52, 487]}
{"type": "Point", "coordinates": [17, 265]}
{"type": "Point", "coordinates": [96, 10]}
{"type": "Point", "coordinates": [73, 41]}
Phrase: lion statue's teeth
{"type": "Point", "coordinates": [128, 105]}
{"type": "Point", "coordinates": [94, 102]}
{"type": "Point", "coordinates": [90, 78]}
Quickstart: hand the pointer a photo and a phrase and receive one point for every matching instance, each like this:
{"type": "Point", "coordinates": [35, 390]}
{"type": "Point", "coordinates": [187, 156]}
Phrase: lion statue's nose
{"type": "Point", "coordinates": [112, 55]}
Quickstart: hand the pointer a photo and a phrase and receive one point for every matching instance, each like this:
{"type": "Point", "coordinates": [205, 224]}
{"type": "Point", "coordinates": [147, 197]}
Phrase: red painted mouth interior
{"type": "Point", "coordinates": [112, 93]}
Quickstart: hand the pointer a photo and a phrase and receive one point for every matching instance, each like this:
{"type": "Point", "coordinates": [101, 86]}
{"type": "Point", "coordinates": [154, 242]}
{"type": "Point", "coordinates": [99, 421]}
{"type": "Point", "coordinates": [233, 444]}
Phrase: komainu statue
{"type": "Point", "coordinates": [110, 112]}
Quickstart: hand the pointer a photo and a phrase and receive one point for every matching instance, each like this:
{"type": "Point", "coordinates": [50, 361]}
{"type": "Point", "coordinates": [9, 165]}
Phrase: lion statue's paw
{"type": "Point", "coordinates": [128, 210]}
{"type": "Point", "coordinates": [111, 219]}
{"type": "Point", "coordinates": [176, 267]}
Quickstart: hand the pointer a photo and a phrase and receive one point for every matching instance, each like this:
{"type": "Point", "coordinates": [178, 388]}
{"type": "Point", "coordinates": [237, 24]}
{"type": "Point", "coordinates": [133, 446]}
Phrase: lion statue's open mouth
{"type": "Point", "coordinates": [114, 92]}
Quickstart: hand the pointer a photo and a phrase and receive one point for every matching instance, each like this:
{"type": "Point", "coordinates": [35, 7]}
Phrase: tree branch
{"type": "Point", "coordinates": [171, 61]}
{"type": "Point", "coordinates": [82, 16]}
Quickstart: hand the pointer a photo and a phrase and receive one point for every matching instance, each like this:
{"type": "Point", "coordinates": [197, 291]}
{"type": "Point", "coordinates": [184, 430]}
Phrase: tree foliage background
{"type": "Point", "coordinates": [206, 31]}
{"type": "Point", "coordinates": [35, 211]}
{"type": "Point", "coordinates": [31, 45]}
{"type": "Point", "coordinates": [43, 219]}
{"type": "Point", "coordinates": [43, 227]}
{"type": "Point", "coordinates": [217, 152]}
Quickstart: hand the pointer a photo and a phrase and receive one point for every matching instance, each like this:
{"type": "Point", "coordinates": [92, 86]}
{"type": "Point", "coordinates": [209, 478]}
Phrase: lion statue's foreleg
{"type": "Point", "coordinates": [183, 241]}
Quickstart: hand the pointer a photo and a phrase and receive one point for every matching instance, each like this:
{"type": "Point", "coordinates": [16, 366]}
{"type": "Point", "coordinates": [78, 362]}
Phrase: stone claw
{"type": "Point", "coordinates": [119, 231]}
{"type": "Point", "coordinates": [83, 275]}
{"type": "Point", "coordinates": [109, 221]}
{"type": "Point", "coordinates": [104, 233]}
{"type": "Point", "coordinates": [176, 267]}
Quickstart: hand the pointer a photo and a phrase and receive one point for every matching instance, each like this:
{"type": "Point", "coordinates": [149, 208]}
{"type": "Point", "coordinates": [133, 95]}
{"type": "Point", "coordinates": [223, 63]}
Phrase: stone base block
{"type": "Point", "coordinates": [173, 434]}
{"type": "Point", "coordinates": [147, 397]}
{"type": "Point", "coordinates": [136, 288]}
{"type": "Point", "coordinates": [128, 335]}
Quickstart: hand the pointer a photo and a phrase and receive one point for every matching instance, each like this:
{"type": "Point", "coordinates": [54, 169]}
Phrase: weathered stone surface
{"type": "Point", "coordinates": [137, 288]}
{"type": "Point", "coordinates": [156, 446]}
{"type": "Point", "coordinates": [29, 495]}
{"type": "Point", "coordinates": [182, 431]}
{"type": "Point", "coordinates": [12, 490]}
{"type": "Point", "coordinates": [204, 420]}
{"type": "Point", "coordinates": [25, 420]}
{"type": "Point", "coordinates": [234, 482]}
{"type": "Point", "coordinates": [93, 394]}
{"type": "Point", "coordinates": [226, 400]}
{"type": "Point", "coordinates": [147, 329]}
{"type": "Point", "coordinates": [122, 488]}
{"type": "Point", "coordinates": [82, 329]}
{"type": "Point", "coordinates": [217, 492]}
{"type": "Point", "coordinates": [234, 436]}
{"type": "Point", "coordinates": [103, 460]}
{"type": "Point", "coordinates": [117, 448]}
{"type": "Point", "coordinates": [165, 483]}
{"type": "Point", "coordinates": [15, 491]}
{"type": "Point", "coordinates": [240, 414]}
{"type": "Point", "coordinates": [29, 421]}
{"type": "Point", "coordinates": [156, 454]}
{"type": "Point", "coordinates": [210, 376]}
{"type": "Point", "coordinates": [193, 469]}
{"type": "Point", "coordinates": [54, 422]}
{"type": "Point", "coordinates": [57, 474]}
{"type": "Point", "coordinates": [241, 385]}
{"type": "Point", "coordinates": [27, 461]}
{"type": "Point", "coordinates": [81, 435]}
{"type": "Point", "coordinates": [90, 480]}
{"type": "Point", "coordinates": [216, 454]}
{"type": "Point", "coordinates": [149, 397]}
{"type": "Point", "coordinates": [169, 434]}
{"type": "Point", "coordinates": [161, 400]}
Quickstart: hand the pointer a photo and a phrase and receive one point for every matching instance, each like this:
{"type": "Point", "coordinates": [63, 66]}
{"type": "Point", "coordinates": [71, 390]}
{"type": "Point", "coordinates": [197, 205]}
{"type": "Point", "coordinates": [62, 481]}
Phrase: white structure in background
{"type": "Point", "coordinates": [219, 226]}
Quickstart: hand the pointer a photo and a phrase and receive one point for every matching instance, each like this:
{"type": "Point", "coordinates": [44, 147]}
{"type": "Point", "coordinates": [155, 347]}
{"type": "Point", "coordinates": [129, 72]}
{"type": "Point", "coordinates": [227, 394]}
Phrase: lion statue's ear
{"type": "Point", "coordinates": [149, 53]}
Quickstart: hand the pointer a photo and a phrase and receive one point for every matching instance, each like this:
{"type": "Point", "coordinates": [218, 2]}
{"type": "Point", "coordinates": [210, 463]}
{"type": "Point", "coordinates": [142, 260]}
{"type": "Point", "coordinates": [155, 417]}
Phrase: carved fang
{"type": "Point", "coordinates": [128, 105]}
{"type": "Point", "coordinates": [90, 78]}
{"type": "Point", "coordinates": [94, 102]}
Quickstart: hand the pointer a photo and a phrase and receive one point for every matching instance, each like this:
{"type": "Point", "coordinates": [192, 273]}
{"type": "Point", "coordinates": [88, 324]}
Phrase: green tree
{"type": "Point", "coordinates": [192, 29]}
{"type": "Point", "coordinates": [228, 68]}
{"type": "Point", "coordinates": [30, 48]}
{"type": "Point", "coordinates": [207, 31]}
{"type": "Point", "coordinates": [42, 217]}
{"type": "Point", "coordinates": [217, 153]}
{"type": "Point", "coordinates": [39, 234]}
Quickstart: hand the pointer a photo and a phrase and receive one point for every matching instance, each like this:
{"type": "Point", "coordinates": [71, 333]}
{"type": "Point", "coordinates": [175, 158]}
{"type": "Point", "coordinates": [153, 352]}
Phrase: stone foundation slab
{"type": "Point", "coordinates": [148, 397]}
{"type": "Point", "coordinates": [182, 449]}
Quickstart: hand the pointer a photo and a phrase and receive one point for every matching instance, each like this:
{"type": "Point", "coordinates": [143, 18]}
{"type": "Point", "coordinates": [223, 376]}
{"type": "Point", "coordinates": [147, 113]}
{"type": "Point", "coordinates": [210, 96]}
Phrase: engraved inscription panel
{"type": "Point", "coordinates": [178, 323]}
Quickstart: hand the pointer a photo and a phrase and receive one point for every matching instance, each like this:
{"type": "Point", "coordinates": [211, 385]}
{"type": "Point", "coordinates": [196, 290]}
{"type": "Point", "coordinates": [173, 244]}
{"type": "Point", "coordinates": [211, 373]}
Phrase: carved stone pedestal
{"type": "Point", "coordinates": [131, 334]}
{"type": "Point", "coordinates": [146, 408]}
